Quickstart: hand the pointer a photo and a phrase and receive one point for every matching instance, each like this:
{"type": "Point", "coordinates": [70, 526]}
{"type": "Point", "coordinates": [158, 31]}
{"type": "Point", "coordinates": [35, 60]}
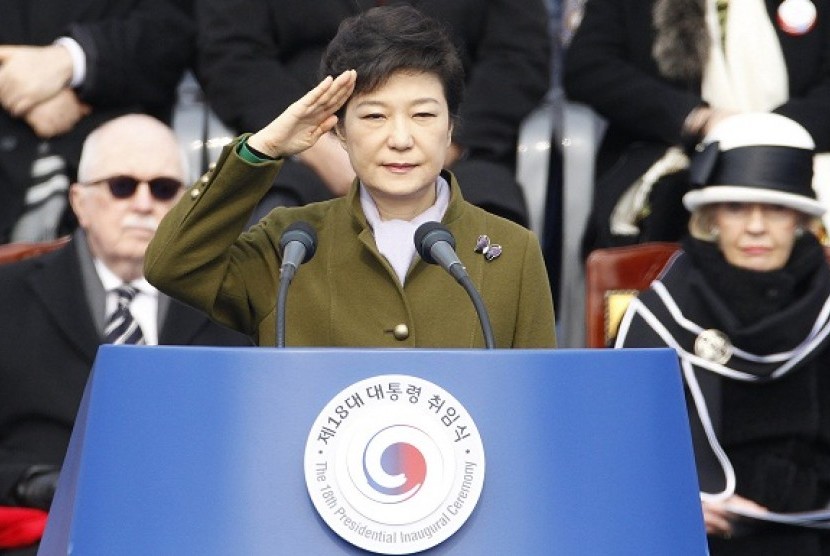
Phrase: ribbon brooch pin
{"type": "Point", "coordinates": [489, 250]}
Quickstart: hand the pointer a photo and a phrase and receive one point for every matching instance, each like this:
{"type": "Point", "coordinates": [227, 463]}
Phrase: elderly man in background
{"type": "Point", "coordinates": [58, 308]}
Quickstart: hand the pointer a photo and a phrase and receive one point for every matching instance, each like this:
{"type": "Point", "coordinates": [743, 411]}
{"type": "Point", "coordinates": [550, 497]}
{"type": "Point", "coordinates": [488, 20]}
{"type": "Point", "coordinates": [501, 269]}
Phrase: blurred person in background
{"type": "Point", "coordinates": [65, 68]}
{"type": "Point", "coordinates": [663, 73]}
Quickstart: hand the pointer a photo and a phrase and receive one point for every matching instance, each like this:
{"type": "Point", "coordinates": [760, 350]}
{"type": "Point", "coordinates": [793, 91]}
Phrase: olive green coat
{"type": "Point", "coordinates": [347, 294]}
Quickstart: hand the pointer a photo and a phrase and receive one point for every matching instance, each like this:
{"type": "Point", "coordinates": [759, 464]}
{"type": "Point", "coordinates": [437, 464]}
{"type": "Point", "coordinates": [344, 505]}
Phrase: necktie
{"type": "Point", "coordinates": [122, 328]}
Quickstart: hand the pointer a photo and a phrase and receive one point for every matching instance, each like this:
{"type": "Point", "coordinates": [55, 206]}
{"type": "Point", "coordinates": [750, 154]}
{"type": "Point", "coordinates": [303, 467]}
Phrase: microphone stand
{"type": "Point", "coordinates": [483, 315]}
{"type": "Point", "coordinates": [282, 297]}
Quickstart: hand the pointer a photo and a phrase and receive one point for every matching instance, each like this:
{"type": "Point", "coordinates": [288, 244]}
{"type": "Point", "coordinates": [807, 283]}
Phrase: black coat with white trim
{"type": "Point", "coordinates": [770, 414]}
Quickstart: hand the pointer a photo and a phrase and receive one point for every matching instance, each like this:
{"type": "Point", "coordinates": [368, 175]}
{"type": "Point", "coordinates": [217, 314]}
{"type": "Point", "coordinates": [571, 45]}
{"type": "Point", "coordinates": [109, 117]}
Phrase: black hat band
{"type": "Point", "coordinates": [777, 168]}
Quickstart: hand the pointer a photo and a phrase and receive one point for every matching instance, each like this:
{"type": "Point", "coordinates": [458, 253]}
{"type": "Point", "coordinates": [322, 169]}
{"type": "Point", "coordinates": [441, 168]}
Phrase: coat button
{"type": "Point", "coordinates": [194, 193]}
{"type": "Point", "coordinates": [401, 332]}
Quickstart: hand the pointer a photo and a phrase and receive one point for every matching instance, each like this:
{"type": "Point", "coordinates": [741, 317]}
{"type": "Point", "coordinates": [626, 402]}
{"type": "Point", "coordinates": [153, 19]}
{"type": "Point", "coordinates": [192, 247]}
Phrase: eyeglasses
{"type": "Point", "coordinates": [124, 187]}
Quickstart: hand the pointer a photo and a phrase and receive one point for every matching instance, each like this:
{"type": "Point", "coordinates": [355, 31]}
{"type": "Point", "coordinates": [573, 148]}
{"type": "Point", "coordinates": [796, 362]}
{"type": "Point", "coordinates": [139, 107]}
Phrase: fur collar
{"type": "Point", "coordinates": [681, 45]}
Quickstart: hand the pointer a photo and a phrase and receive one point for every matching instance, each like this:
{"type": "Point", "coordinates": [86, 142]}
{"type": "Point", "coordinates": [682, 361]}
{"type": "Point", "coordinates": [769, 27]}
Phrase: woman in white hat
{"type": "Point", "coordinates": [746, 304]}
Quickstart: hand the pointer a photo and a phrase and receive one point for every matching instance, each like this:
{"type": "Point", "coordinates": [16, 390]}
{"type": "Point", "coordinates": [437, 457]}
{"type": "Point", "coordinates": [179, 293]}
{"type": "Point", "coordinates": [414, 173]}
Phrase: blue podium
{"type": "Point", "coordinates": [200, 451]}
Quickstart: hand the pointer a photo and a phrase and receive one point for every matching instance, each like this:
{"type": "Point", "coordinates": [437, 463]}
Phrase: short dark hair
{"type": "Point", "coordinates": [388, 39]}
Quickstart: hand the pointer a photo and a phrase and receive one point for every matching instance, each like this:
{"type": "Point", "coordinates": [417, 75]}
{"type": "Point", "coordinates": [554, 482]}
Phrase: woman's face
{"type": "Point", "coordinates": [756, 236]}
{"type": "Point", "coordinates": [397, 138]}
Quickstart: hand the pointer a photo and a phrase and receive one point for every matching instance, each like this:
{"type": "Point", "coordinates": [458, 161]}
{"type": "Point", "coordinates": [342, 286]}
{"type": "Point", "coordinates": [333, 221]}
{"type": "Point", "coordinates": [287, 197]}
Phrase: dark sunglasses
{"type": "Point", "coordinates": [123, 187]}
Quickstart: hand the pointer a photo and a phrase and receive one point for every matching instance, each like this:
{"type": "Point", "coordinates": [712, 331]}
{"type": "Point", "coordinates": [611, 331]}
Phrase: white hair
{"type": "Point", "coordinates": [131, 124]}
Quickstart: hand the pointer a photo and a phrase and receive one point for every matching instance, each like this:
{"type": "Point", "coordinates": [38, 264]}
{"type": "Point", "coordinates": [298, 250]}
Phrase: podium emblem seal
{"type": "Point", "coordinates": [394, 464]}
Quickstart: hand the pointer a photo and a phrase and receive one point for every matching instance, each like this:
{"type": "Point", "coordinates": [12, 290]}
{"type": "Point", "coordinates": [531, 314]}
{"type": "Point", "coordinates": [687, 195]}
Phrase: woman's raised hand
{"type": "Point", "coordinates": [305, 121]}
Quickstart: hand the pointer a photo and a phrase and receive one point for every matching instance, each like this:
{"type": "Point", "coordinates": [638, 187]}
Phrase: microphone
{"type": "Point", "coordinates": [436, 245]}
{"type": "Point", "coordinates": [298, 244]}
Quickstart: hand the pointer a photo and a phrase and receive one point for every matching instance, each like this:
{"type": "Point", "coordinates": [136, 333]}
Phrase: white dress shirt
{"type": "Point", "coordinates": [144, 306]}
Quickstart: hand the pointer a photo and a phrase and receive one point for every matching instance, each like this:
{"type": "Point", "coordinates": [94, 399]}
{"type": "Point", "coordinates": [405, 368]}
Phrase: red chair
{"type": "Point", "coordinates": [21, 527]}
{"type": "Point", "coordinates": [11, 252]}
{"type": "Point", "coordinates": [613, 277]}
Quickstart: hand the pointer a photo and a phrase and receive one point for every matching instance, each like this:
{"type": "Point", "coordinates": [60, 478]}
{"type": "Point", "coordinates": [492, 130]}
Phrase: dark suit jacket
{"type": "Point", "coordinates": [48, 341]}
{"type": "Point", "coordinates": [135, 50]}
{"type": "Point", "coordinates": [256, 57]}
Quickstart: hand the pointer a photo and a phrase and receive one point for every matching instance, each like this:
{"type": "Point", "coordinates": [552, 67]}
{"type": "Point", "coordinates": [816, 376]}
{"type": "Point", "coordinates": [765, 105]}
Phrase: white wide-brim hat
{"type": "Point", "coordinates": [755, 158]}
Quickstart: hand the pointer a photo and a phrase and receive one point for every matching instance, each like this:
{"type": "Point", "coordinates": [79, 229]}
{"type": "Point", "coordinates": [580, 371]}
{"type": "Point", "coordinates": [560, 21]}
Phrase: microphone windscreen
{"type": "Point", "coordinates": [427, 235]}
{"type": "Point", "coordinates": [302, 232]}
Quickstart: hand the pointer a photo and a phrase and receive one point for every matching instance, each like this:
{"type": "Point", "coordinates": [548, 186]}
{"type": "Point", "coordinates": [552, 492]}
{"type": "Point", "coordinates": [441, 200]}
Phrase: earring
{"type": "Point", "coordinates": [714, 231]}
{"type": "Point", "coordinates": [799, 232]}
